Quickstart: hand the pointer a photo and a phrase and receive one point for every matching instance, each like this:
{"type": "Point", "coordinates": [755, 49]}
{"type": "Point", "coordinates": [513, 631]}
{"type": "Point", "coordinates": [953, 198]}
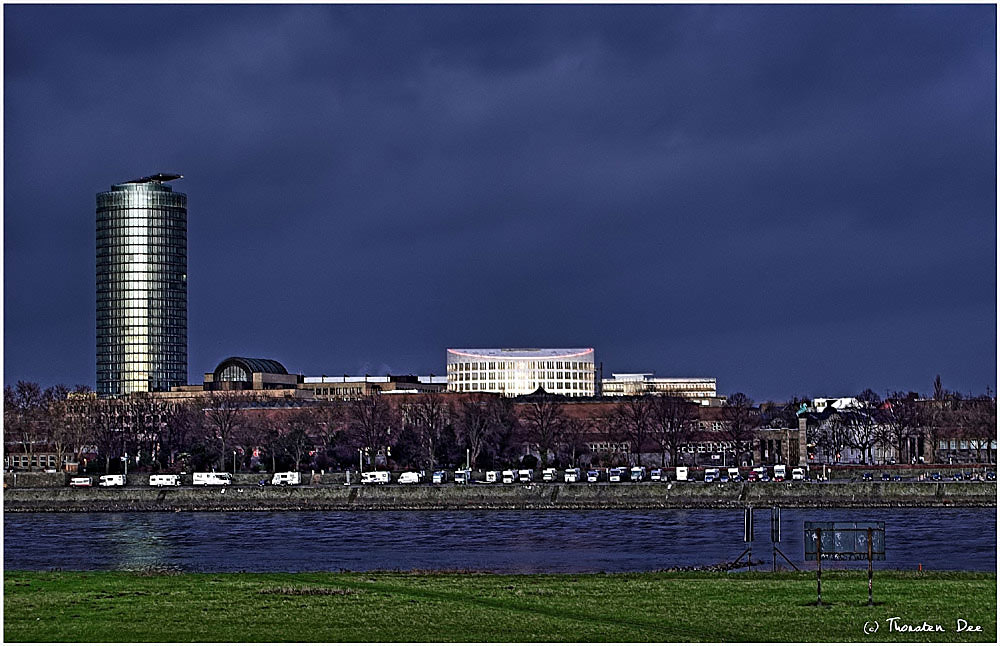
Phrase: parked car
{"type": "Point", "coordinates": [111, 481]}
{"type": "Point", "coordinates": [374, 477]}
{"type": "Point", "coordinates": [886, 476]}
{"type": "Point", "coordinates": [723, 477]}
{"type": "Point", "coordinates": [285, 478]}
{"type": "Point", "coordinates": [571, 475]}
{"type": "Point", "coordinates": [212, 478]}
{"type": "Point", "coordinates": [164, 480]}
{"type": "Point", "coordinates": [866, 476]}
{"type": "Point", "coordinates": [991, 476]}
{"type": "Point", "coordinates": [935, 476]}
{"type": "Point", "coordinates": [656, 475]}
{"type": "Point", "coordinates": [761, 473]}
{"type": "Point", "coordinates": [897, 478]}
{"type": "Point", "coordinates": [593, 475]}
{"type": "Point", "coordinates": [81, 482]}
{"type": "Point", "coordinates": [752, 476]}
{"type": "Point", "coordinates": [711, 474]}
{"type": "Point", "coordinates": [409, 477]}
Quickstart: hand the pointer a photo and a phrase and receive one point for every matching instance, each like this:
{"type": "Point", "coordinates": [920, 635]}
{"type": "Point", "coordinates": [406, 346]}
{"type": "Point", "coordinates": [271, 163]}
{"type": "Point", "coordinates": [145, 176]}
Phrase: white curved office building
{"type": "Point", "coordinates": [521, 371]}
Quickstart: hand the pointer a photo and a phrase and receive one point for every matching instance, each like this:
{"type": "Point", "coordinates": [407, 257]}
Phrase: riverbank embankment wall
{"type": "Point", "coordinates": [520, 496]}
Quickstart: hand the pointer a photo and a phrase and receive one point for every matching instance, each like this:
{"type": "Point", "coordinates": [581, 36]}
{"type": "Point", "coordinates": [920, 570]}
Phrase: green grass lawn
{"type": "Point", "coordinates": [124, 606]}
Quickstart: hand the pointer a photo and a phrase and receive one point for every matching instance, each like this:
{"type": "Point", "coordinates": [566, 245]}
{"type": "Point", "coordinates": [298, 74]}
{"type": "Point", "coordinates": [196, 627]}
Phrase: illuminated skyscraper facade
{"type": "Point", "coordinates": [141, 287]}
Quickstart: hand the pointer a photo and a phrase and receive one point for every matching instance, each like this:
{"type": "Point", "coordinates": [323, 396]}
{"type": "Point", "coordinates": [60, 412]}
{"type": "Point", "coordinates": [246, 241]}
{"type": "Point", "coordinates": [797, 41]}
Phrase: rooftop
{"type": "Point", "coordinates": [521, 353]}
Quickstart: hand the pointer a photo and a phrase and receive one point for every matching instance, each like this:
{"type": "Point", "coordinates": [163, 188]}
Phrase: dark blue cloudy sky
{"type": "Point", "coordinates": [796, 200]}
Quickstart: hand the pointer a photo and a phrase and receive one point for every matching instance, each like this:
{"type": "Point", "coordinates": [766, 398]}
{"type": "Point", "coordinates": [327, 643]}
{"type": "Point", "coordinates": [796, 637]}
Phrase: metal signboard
{"type": "Point", "coordinates": [845, 541]}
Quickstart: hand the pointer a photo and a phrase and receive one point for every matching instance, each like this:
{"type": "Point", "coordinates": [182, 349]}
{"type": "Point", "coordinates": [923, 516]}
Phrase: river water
{"type": "Point", "coordinates": [496, 541]}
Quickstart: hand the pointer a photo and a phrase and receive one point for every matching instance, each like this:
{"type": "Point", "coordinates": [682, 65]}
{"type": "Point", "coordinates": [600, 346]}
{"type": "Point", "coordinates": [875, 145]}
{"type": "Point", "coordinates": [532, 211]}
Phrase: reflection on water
{"type": "Point", "coordinates": [499, 541]}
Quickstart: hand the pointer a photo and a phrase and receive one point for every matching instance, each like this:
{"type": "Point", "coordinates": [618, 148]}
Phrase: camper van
{"type": "Point", "coordinates": [111, 481]}
{"type": "Point", "coordinates": [206, 479]}
{"type": "Point", "coordinates": [617, 474]}
{"type": "Point", "coordinates": [734, 474]}
{"type": "Point", "coordinates": [656, 475]}
{"type": "Point", "coordinates": [682, 474]}
{"type": "Point", "coordinates": [638, 474]}
{"type": "Point", "coordinates": [463, 476]}
{"type": "Point", "coordinates": [509, 477]}
{"type": "Point", "coordinates": [593, 475]}
{"type": "Point", "coordinates": [374, 477]}
{"type": "Point", "coordinates": [164, 480]}
{"type": "Point", "coordinates": [550, 475]}
{"type": "Point", "coordinates": [779, 472]}
{"type": "Point", "coordinates": [759, 474]}
{"type": "Point", "coordinates": [571, 475]}
{"type": "Point", "coordinates": [798, 473]}
{"type": "Point", "coordinates": [525, 475]}
{"type": "Point", "coordinates": [286, 478]}
{"type": "Point", "coordinates": [493, 477]}
{"type": "Point", "coordinates": [711, 474]}
{"type": "Point", "coordinates": [409, 477]}
{"type": "Point", "coordinates": [80, 482]}
{"type": "Point", "coordinates": [439, 477]}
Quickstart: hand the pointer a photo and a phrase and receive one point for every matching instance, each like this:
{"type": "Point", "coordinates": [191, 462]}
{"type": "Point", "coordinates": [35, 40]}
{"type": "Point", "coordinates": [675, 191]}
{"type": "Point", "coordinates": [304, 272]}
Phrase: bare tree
{"type": "Point", "coordinates": [860, 426]}
{"type": "Point", "coordinates": [24, 406]}
{"type": "Point", "coordinates": [506, 428]}
{"type": "Point", "coordinates": [574, 434]}
{"type": "Point", "coordinates": [899, 417]}
{"type": "Point", "coordinates": [979, 418]}
{"type": "Point", "coordinates": [633, 417]}
{"type": "Point", "coordinates": [370, 422]}
{"type": "Point", "coordinates": [224, 413]}
{"type": "Point", "coordinates": [741, 419]}
{"type": "Point", "coordinates": [429, 416]}
{"type": "Point", "coordinates": [476, 427]}
{"type": "Point", "coordinates": [672, 424]}
{"type": "Point", "coordinates": [544, 420]}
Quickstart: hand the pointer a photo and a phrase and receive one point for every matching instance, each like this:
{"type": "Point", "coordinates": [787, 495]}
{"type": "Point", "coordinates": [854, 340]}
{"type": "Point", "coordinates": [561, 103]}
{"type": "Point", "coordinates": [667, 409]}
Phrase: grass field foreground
{"type": "Point", "coordinates": [264, 607]}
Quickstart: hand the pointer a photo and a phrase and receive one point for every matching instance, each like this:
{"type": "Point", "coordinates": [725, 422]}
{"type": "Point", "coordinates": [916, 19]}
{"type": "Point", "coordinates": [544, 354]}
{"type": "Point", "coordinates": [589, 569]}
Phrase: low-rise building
{"type": "Point", "coordinates": [698, 389]}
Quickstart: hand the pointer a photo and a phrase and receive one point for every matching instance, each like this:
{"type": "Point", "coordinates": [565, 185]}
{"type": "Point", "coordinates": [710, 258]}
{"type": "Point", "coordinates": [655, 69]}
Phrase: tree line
{"type": "Point", "coordinates": [241, 430]}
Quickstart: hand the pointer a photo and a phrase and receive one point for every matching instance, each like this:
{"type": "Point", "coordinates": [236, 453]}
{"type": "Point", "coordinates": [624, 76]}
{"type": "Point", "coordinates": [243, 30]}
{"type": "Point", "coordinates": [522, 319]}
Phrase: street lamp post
{"type": "Point", "coordinates": [234, 461]}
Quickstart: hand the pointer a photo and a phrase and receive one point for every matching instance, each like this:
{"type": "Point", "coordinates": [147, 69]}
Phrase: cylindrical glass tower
{"type": "Point", "coordinates": [141, 287]}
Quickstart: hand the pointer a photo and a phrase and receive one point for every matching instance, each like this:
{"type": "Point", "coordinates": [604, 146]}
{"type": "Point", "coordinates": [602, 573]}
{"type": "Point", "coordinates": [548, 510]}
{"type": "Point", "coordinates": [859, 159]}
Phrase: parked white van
{"type": "Point", "coordinates": [593, 475]}
{"type": "Point", "coordinates": [638, 474]}
{"type": "Point", "coordinates": [164, 480]}
{"type": "Point", "coordinates": [779, 472]}
{"type": "Point", "coordinates": [572, 475]}
{"type": "Point", "coordinates": [409, 477]}
{"type": "Point", "coordinates": [111, 481]}
{"type": "Point", "coordinates": [798, 473]}
{"type": "Point", "coordinates": [525, 475]}
{"type": "Point", "coordinates": [493, 477]}
{"type": "Point", "coordinates": [206, 479]}
{"type": "Point", "coordinates": [509, 477]}
{"type": "Point", "coordinates": [463, 476]}
{"type": "Point", "coordinates": [286, 478]}
{"type": "Point", "coordinates": [81, 482]}
{"type": "Point", "coordinates": [375, 477]}
{"type": "Point", "coordinates": [550, 475]}
{"type": "Point", "coordinates": [439, 477]}
{"type": "Point", "coordinates": [682, 474]}
{"type": "Point", "coordinates": [734, 474]}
